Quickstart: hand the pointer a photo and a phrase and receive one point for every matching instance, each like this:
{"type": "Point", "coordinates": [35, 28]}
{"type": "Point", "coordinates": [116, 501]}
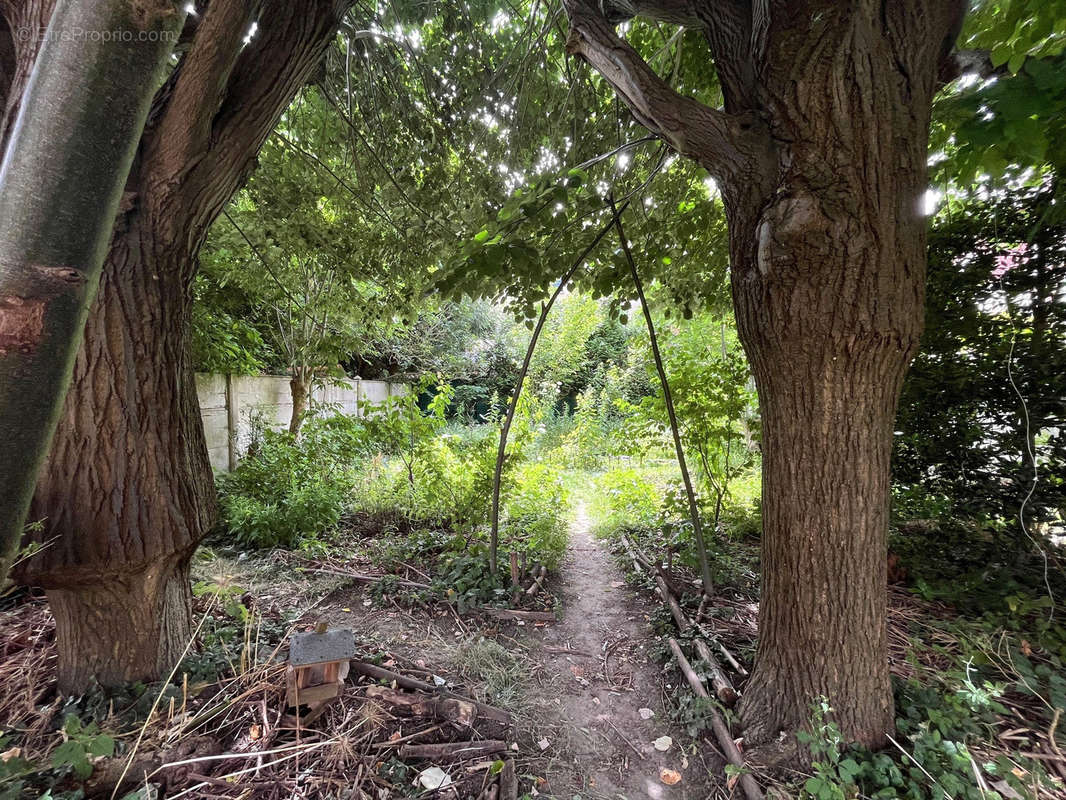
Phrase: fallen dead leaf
{"type": "Point", "coordinates": [669, 776]}
{"type": "Point", "coordinates": [663, 743]}
{"type": "Point", "coordinates": [645, 713]}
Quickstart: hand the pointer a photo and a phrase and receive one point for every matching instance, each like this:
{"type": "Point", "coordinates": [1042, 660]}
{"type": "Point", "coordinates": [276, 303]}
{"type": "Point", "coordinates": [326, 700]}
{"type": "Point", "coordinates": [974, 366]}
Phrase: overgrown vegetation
{"type": "Point", "coordinates": [438, 176]}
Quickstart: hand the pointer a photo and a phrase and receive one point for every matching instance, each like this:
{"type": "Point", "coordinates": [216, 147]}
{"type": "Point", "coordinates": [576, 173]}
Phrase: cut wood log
{"type": "Point", "coordinates": [453, 750]}
{"type": "Point", "coordinates": [484, 710]}
{"type": "Point", "coordinates": [675, 608]}
{"type": "Point", "coordinates": [723, 687]}
{"type": "Point", "coordinates": [638, 566]}
{"type": "Point", "coordinates": [721, 731]}
{"type": "Point", "coordinates": [721, 684]}
{"type": "Point", "coordinates": [512, 613]}
{"type": "Point", "coordinates": [420, 704]}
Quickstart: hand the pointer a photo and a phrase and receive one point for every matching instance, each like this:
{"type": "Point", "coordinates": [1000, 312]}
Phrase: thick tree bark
{"type": "Point", "coordinates": [828, 277]}
{"type": "Point", "coordinates": [60, 185]}
{"type": "Point", "coordinates": [136, 623]}
{"type": "Point", "coordinates": [830, 323]}
{"type": "Point", "coordinates": [820, 153]}
{"type": "Point", "coordinates": [128, 471]}
{"type": "Point", "coordinates": [127, 492]}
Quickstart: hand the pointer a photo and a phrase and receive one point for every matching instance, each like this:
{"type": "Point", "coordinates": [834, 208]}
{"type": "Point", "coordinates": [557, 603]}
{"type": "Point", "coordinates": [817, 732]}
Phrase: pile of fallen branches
{"type": "Point", "coordinates": [395, 730]}
{"type": "Point", "coordinates": [720, 683]}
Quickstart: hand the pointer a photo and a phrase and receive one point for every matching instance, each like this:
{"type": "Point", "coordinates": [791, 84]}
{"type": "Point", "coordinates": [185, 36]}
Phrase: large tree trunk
{"type": "Point", "coordinates": [820, 153]}
{"type": "Point", "coordinates": [129, 471]}
{"type": "Point", "coordinates": [61, 180]}
{"type": "Point", "coordinates": [135, 624]}
{"type": "Point", "coordinates": [830, 325]}
{"type": "Point", "coordinates": [126, 493]}
{"type": "Point", "coordinates": [828, 276]}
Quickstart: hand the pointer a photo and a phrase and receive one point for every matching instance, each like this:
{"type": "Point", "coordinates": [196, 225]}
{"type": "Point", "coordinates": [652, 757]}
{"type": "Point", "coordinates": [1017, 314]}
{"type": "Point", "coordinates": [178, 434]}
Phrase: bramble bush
{"type": "Point", "coordinates": [935, 727]}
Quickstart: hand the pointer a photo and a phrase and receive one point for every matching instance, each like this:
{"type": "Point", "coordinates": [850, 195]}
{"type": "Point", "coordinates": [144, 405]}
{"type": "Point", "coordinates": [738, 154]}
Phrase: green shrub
{"type": "Point", "coordinates": [289, 490]}
{"type": "Point", "coordinates": [535, 515]}
{"type": "Point", "coordinates": [935, 728]}
{"type": "Point", "coordinates": [624, 499]}
{"type": "Point", "coordinates": [446, 481]}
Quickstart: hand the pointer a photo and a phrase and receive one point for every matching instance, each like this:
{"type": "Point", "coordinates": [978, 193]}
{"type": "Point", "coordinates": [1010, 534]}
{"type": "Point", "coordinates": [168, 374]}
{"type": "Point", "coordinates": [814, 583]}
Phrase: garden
{"type": "Point", "coordinates": [641, 420]}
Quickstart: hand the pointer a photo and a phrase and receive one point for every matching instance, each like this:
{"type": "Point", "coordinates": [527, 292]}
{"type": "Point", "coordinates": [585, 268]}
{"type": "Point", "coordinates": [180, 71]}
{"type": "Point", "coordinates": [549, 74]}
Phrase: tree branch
{"type": "Point", "coordinates": [260, 81]}
{"type": "Point", "coordinates": [729, 146]}
{"type": "Point", "coordinates": [199, 85]}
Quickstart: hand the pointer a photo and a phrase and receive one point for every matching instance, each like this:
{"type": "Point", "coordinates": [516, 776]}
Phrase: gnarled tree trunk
{"type": "Point", "coordinates": [129, 471]}
{"type": "Point", "coordinates": [820, 154]}
{"type": "Point", "coordinates": [127, 492]}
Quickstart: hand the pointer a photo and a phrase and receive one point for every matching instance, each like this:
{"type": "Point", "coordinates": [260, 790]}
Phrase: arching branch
{"type": "Point", "coordinates": [729, 146]}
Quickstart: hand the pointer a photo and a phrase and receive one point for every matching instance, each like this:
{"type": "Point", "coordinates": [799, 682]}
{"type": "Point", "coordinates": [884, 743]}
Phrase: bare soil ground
{"type": "Point", "coordinates": [587, 696]}
{"type": "Point", "coordinates": [607, 682]}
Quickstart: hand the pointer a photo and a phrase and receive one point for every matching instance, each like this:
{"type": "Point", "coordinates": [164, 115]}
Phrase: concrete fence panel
{"type": "Point", "coordinates": [228, 403]}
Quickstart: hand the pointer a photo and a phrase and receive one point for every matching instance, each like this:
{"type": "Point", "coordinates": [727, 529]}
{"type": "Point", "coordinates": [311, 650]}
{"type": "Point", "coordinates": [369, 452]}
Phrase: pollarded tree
{"type": "Point", "coordinates": [127, 491]}
{"type": "Point", "coordinates": [820, 151]}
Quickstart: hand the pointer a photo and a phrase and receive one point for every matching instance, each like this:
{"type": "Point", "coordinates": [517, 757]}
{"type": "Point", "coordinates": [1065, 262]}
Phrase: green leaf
{"type": "Point", "coordinates": [70, 753]}
{"type": "Point", "coordinates": [1000, 55]}
{"type": "Point", "coordinates": [814, 786]}
{"type": "Point", "coordinates": [103, 745]}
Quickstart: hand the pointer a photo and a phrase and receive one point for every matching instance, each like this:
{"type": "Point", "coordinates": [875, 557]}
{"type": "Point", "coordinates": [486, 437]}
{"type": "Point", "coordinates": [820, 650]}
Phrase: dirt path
{"type": "Point", "coordinates": [584, 690]}
{"type": "Point", "coordinates": [609, 686]}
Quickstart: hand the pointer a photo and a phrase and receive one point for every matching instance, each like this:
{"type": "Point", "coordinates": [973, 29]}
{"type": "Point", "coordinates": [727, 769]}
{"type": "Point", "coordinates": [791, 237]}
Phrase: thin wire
{"type": "Point", "coordinates": [1025, 415]}
{"type": "Point", "coordinates": [1029, 450]}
